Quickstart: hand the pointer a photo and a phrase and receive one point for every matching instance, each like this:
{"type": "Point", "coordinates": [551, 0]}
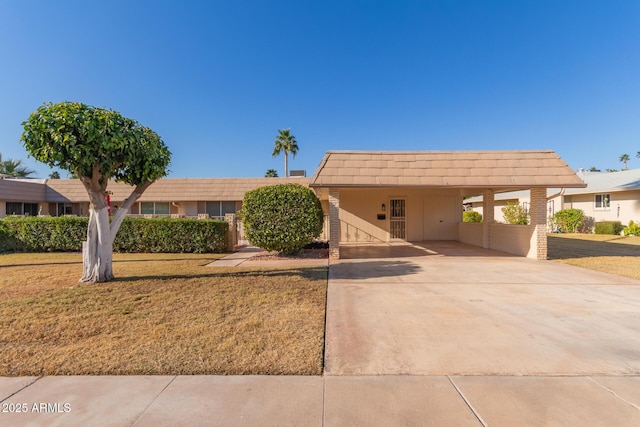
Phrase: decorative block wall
{"type": "Point", "coordinates": [334, 223]}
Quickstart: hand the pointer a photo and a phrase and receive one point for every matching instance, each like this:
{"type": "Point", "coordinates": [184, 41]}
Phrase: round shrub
{"type": "Point", "coordinates": [471, 216]}
{"type": "Point", "coordinates": [568, 220]}
{"type": "Point", "coordinates": [282, 217]}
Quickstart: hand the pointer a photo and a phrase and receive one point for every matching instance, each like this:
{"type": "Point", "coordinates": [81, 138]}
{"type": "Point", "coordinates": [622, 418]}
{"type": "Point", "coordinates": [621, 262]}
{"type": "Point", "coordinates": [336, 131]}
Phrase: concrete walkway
{"type": "Point", "coordinates": [245, 256]}
{"type": "Point", "coordinates": [429, 334]}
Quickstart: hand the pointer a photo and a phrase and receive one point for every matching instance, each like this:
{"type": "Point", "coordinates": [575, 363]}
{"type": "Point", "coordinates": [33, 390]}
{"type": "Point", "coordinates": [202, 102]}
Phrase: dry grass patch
{"type": "Point", "coordinates": [622, 266]}
{"type": "Point", "coordinates": [607, 253]}
{"type": "Point", "coordinates": [163, 315]}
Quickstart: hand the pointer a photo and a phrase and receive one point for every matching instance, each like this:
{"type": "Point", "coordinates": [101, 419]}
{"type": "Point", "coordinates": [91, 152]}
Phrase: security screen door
{"type": "Point", "coordinates": [398, 228]}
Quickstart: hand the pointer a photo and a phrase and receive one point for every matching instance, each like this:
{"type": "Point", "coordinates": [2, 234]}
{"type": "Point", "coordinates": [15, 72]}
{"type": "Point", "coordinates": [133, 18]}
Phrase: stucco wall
{"type": "Point", "coordinates": [430, 215]}
{"type": "Point", "coordinates": [624, 206]}
{"type": "Point", "coordinates": [512, 239]}
{"type": "Point", "coordinates": [470, 233]}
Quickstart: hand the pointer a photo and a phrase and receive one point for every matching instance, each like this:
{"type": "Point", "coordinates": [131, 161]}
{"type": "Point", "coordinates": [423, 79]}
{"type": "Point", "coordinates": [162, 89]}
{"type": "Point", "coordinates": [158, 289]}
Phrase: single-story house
{"type": "Point", "coordinates": [608, 196]}
{"type": "Point", "coordinates": [368, 196]}
{"type": "Point", "coordinates": [177, 197]}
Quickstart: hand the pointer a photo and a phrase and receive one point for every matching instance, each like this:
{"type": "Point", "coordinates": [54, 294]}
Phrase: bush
{"type": "Point", "coordinates": [514, 213]}
{"type": "Point", "coordinates": [36, 234]}
{"type": "Point", "coordinates": [171, 235]}
{"type": "Point", "coordinates": [633, 229]}
{"type": "Point", "coordinates": [282, 217]}
{"type": "Point", "coordinates": [471, 216]}
{"type": "Point", "coordinates": [608, 227]}
{"type": "Point", "coordinates": [135, 235]}
{"type": "Point", "coordinates": [568, 220]}
{"type": "Point", "coordinates": [8, 243]}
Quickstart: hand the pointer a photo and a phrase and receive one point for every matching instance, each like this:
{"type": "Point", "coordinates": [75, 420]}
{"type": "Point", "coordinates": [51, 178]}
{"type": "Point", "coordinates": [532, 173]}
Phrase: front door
{"type": "Point", "coordinates": [398, 225]}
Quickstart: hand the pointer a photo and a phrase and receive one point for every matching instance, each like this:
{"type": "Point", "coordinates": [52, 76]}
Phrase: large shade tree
{"type": "Point", "coordinates": [285, 142]}
{"type": "Point", "coordinates": [97, 145]}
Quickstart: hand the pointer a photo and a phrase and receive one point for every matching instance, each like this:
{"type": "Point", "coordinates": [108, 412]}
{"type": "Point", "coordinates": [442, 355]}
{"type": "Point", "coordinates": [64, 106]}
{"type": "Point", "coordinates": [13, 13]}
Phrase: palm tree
{"type": "Point", "coordinates": [624, 158]}
{"type": "Point", "coordinates": [638, 154]}
{"type": "Point", "coordinates": [287, 143]}
{"type": "Point", "coordinates": [14, 168]}
{"type": "Point", "coordinates": [54, 175]}
{"type": "Point", "coordinates": [271, 173]}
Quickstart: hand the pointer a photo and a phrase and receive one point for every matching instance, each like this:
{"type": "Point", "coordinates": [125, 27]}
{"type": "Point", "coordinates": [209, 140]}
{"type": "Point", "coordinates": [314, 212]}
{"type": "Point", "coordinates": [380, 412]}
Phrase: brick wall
{"type": "Point", "coordinates": [538, 215]}
{"type": "Point", "coordinates": [334, 223]}
{"type": "Point", "coordinates": [488, 204]}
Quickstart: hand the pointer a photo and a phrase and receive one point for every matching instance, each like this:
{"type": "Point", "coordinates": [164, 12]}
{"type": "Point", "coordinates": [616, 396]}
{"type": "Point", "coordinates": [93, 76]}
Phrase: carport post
{"type": "Point", "coordinates": [538, 215]}
{"type": "Point", "coordinates": [488, 216]}
{"type": "Point", "coordinates": [334, 223]}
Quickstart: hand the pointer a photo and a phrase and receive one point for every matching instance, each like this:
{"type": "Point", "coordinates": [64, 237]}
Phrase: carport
{"type": "Point", "coordinates": [395, 196]}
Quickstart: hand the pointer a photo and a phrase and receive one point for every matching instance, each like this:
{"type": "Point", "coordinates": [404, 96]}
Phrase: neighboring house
{"type": "Point", "coordinates": [608, 196]}
{"type": "Point", "coordinates": [369, 196]}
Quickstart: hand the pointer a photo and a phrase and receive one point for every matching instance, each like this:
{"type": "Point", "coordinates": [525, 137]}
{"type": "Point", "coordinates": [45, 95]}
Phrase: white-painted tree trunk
{"type": "Point", "coordinates": [97, 250]}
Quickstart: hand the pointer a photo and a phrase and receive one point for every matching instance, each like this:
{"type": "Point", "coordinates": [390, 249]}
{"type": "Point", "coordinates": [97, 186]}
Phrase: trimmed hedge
{"type": "Point", "coordinates": [171, 235]}
{"type": "Point", "coordinates": [64, 234]}
{"type": "Point", "coordinates": [608, 227]}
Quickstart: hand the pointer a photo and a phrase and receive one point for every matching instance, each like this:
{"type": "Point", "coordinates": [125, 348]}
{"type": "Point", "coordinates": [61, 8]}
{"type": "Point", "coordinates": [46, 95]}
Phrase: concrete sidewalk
{"type": "Point", "coordinates": [430, 334]}
{"type": "Point", "coordinates": [321, 401]}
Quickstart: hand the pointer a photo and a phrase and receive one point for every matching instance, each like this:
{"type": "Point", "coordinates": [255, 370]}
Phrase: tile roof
{"type": "Point", "coordinates": [461, 169]}
{"type": "Point", "coordinates": [168, 189]}
{"type": "Point", "coordinates": [624, 180]}
{"type": "Point", "coordinates": [597, 182]}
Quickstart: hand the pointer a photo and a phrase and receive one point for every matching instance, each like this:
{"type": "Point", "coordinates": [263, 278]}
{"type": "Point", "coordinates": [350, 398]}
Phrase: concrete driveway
{"type": "Point", "coordinates": [445, 308]}
{"type": "Point", "coordinates": [448, 334]}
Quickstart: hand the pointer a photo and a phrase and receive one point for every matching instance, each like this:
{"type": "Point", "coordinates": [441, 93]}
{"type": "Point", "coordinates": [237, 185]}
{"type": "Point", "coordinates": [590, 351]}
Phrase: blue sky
{"type": "Point", "coordinates": [217, 79]}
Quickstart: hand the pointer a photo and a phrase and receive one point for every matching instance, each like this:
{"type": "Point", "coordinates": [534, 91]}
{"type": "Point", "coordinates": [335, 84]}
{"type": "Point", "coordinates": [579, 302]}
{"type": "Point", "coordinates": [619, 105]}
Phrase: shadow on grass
{"type": "Point", "coordinates": [41, 264]}
{"type": "Point", "coordinates": [567, 248]}
{"type": "Point", "coordinates": [203, 260]}
{"type": "Point", "coordinates": [312, 273]}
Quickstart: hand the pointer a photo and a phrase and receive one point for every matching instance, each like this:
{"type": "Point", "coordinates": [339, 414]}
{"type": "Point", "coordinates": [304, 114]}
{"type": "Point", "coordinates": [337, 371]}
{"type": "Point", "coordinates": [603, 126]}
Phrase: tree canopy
{"type": "Point", "coordinates": [95, 144]}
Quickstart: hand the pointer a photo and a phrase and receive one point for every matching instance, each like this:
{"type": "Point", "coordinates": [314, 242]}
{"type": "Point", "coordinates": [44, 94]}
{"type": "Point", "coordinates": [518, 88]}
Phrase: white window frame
{"type": "Point", "coordinates": [604, 204]}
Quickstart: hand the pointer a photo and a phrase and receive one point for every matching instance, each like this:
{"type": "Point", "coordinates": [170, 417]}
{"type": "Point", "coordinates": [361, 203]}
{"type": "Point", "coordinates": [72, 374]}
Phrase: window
{"type": "Point", "coordinates": [220, 208]}
{"type": "Point", "coordinates": [31, 209]}
{"type": "Point", "coordinates": [14, 208]}
{"type": "Point", "coordinates": [146, 208]}
{"type": "Point", "coordinates": [17, 208]}
{"type": "Point", "coordinates": [603, 201]}
{"type": "Point", "coordinates": [65, 209]}
{"type": "Point", "coordinates": [162, 208]}
{"type": "Point", "coordinates": [155, 208]}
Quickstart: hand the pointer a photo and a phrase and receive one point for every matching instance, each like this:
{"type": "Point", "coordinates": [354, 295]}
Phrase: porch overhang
{"type": "Point", "coordinates": [463, 173]}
